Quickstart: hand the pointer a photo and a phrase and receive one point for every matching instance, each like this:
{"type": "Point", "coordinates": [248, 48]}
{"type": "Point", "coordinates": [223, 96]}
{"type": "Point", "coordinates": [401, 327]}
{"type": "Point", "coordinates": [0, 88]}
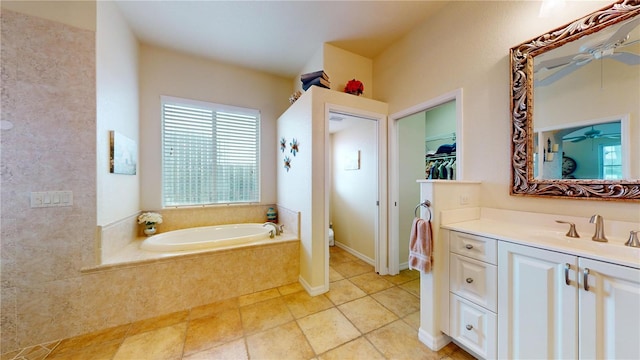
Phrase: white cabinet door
{"type": "Point", "coordinates": [609, 311]}
{"type": "Point", "coordinates": [537, 303]}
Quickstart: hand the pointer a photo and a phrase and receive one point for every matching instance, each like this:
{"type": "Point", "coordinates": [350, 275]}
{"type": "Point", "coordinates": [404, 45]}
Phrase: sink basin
{"type": "Point", "coordinates": [613, 250]}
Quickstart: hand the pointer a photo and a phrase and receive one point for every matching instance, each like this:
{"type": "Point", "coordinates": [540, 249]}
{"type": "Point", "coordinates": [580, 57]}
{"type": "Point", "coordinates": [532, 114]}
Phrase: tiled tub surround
{"type": "Point", "coordinates": [117, 242]}
{"type": "Point", "coordinates": [153, 284]}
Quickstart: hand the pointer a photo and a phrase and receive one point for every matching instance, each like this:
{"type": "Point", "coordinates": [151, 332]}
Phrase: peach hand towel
{"type": "Point", "coordinates": [421, 246]}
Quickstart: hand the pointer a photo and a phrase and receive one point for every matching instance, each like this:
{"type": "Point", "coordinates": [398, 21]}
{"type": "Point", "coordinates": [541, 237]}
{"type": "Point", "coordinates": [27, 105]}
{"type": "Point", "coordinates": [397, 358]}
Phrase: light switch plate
{"type": "Point", "coordinates": [51, 198]}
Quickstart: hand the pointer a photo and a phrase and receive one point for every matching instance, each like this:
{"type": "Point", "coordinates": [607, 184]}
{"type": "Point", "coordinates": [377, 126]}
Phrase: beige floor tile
{"type": "Point", "coordinates": [164, 343]}
{"type": "Point", "coordinates": [157, 322]}
{"type": "Point", "coordinates": [104, 351]}
{"type": "Point", "coordinates": [371, 282]}
{"type": "Point", "coordinates": [357, 349]}
{"type": "Point", "coordinates": [338, 255]}
{"type": "Point", "coordinates": [214, 308]}
{"type": "Point", "coordinates": [403, 277]}
{"type": "Point", "coordinates": [342, 291]}
{"type": "Point", "coordinates": [401, 302]}
{"type": "Point", "coordinates": [399, 341]}
{"type": "Point", "coordinates": [209, 332]}
{"type": "Point", "coordinates": [264, 315]}
{"type": "Point", "coordinates": [258, 296]}
{"type": "Point", "coordinates": [83, 341]}
{"type": "Point", "coordinates": [290, 289]}
{"type": "Point", "coordinates": [263, 328]}
{"type": "Point", "coordinates": [334, 275]}
{"type": "Point", "coordinates": [412, 286]}
{"type": "Point", "coordinates": [327, 329]}
{"type": "Point", "coordinates": [302, 304]}
{"type": "Point", "coordinates": [453, 351]}
{"type": "Point", "coordinates": [34, 353]}
{"type": "Point", "coordinates": [352, 268]}
{"type": "Point", "coordinates": [10, 355]}
{"type": "Point", "coordinates": [367, 314]}
{"type": "Point", "coordinates": [235, 350]}
{"type": "Point", "coordinates": [283, 342]}
{"type": "Point", "coordinates": [413, 320]}
{"type": "Point", "coordinates": [460, 354]}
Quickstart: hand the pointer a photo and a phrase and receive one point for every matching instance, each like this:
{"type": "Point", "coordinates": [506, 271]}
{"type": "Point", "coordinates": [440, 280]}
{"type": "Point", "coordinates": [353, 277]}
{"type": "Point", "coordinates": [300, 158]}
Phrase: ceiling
{"type": "Point", "coordinates": [278, 37]}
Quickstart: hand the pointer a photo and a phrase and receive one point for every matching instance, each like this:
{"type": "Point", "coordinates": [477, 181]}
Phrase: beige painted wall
{"type": "Point", "coordinates": [117, 109]}
{"type": "Point", "coordinates": [341, 66]}
{"type": "Point", "coordinates": [164, 72]}
{"type": "Point", "coordinates": [475, 56]}
{"type": "Point", "coordinates": [354, 192]}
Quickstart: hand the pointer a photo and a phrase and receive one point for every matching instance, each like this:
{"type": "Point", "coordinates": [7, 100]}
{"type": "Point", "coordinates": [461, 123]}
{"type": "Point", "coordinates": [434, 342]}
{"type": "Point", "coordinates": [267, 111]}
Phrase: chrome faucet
{"type": "Point", "coordinates": [277, 228]}
{"type": "Point", "coordinates": [599, 234]}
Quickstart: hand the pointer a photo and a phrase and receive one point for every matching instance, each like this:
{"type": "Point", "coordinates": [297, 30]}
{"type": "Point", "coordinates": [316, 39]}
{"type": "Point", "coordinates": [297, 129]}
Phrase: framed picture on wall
{"type": "Point", "coordinates": [352, 160]}
{"type": "Point", "coordinates": [123, 154]}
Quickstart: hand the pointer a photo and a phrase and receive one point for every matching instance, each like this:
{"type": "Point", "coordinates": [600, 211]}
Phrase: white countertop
{"type": "Point", "coordinates": [541, 231]}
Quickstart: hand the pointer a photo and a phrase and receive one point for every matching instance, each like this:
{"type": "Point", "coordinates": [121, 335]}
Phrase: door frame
{"type": "Point", "coordinates": [394, 167]}
{"type": "Point", "coordinates": [381, 239]}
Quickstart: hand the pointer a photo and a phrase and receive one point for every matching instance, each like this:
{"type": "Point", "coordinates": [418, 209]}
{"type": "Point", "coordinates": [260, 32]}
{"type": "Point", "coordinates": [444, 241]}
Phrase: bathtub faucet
{"type": "Point", "coordinates": [277, 229]}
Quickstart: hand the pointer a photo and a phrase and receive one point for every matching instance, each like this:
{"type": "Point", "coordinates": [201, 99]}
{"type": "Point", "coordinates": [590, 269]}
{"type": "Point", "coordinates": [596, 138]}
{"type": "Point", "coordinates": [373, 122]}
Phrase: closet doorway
{"type": "Point", "coordinates": [356, 163]}
{"type": "Point", "coordinates": [424, 143]}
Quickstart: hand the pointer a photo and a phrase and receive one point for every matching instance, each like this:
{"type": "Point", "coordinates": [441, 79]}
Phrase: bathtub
{"type": "Point", "coordinates": [207, 237]}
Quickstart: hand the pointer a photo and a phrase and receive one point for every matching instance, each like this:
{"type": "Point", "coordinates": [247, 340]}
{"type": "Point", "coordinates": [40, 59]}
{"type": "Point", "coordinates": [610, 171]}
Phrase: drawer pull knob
{"type": "Point", "coordinates": [469, 246]}
{"type": "Point", "coordinates": [469, 280]}
{"type": "Point", "coordinates": [469, 327]}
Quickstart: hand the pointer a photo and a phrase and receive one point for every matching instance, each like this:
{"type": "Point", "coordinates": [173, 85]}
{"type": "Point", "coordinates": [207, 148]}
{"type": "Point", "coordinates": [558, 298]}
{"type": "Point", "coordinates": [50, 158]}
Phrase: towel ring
{"type": "Point", "coordinates": [427, 205]}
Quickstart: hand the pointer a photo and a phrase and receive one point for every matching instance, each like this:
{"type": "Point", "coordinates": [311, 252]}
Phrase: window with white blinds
{"type": "Point", "coordinates": [210, 153]}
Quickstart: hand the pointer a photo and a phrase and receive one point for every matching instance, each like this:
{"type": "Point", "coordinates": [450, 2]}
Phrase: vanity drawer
{"type": "Point", "coordinates": [473, 327]}
{"type": "Point", "coordinates": [473, 246]}
{"type": "Point", "coordinates": [474, 280]}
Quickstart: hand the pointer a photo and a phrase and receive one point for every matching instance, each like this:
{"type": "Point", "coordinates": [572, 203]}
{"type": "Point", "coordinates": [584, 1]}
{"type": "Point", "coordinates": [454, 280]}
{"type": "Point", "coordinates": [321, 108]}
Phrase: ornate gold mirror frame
{"type": "Point", "coordinates": [522, 148]}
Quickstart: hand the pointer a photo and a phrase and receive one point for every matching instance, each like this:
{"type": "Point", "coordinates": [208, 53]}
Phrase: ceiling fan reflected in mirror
{"type": "Point", "coordinates": [592, 133]}
{"type": "Point", "coordinates": [594, 49]}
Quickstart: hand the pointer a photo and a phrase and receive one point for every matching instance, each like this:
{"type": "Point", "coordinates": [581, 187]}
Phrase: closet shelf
{"type": "Point", "coordinates": [440, 156]}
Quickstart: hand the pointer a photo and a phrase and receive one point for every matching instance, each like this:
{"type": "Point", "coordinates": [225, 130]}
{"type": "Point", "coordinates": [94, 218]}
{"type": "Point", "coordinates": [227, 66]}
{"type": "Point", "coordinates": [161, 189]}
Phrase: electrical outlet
{"type": "Point", "coordinates": [464, 199]}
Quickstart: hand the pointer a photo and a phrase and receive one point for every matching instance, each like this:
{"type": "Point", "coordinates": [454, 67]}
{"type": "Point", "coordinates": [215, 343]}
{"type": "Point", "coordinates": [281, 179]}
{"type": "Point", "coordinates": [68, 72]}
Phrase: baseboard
{"type": "Point", "coordinates": [313, 291]}
{"type": "Point", "coordinates": [403, 266]}
{"type": "Point", "coordinates": [357, 254]}
{"type": "Point", "coordinates": [434, 343]}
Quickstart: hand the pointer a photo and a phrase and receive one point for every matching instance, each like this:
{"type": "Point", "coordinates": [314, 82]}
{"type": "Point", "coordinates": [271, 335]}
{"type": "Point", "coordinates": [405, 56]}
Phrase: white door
{"type": "Point", "coordinates": [537, 303]}
{"type": "Point", "coordinates": [405, 170]}
{"type": "Point", "coordinates": [609, 311]}
{"type": "Point", "coordinates": [356, 184]}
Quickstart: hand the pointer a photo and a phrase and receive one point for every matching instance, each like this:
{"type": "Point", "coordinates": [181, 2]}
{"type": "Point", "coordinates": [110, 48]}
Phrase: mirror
{"type": "Point", "coordinates": [595, 149]}
{"type": "Point", "coordinates": [575, 109]}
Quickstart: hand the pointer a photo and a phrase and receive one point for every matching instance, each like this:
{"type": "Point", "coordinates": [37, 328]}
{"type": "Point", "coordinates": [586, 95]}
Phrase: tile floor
{"type": "Point", "coordinates": [363, 316]}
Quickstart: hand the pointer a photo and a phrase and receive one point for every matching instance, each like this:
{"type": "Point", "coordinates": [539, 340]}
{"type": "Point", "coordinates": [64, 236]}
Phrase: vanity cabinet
{"type": "Point", "coordinates": [554, 305]}
{"type": "Point", "coordinates": [609, 315]}
{"type": "Point", "coordinates": [473, 292]}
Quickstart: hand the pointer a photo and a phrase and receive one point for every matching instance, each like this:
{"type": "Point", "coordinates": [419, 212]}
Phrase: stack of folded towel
{"type": "Point", "coordinates": [317, 78]}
